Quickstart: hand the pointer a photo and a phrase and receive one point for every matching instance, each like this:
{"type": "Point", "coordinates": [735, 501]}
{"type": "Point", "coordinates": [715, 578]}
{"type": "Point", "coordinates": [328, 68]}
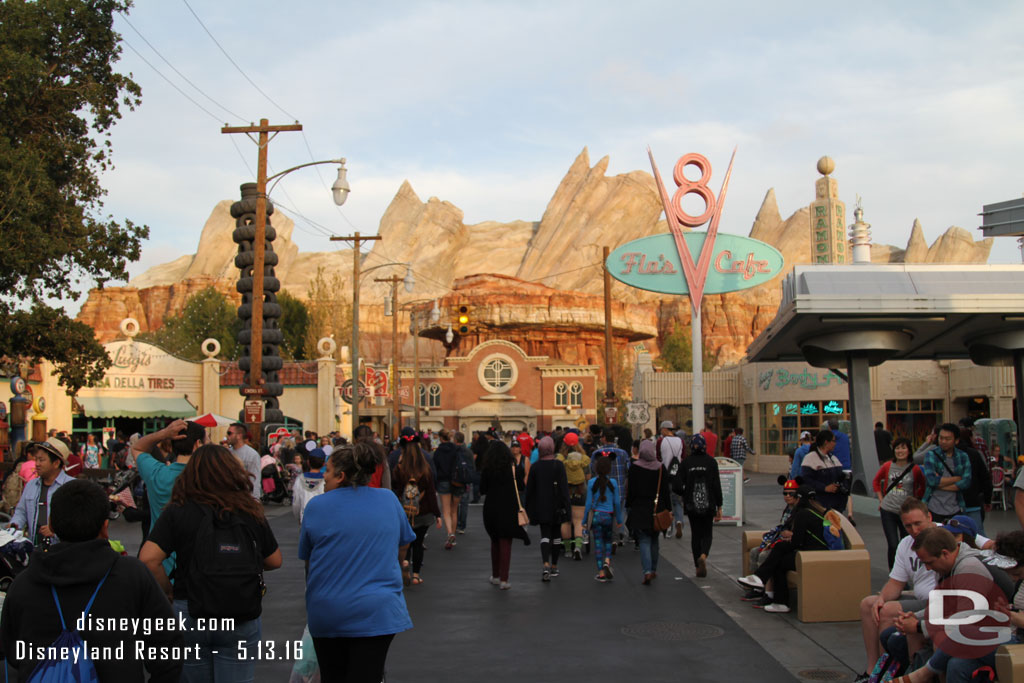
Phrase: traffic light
{"type": "Point", "coordinates": [464, 319]}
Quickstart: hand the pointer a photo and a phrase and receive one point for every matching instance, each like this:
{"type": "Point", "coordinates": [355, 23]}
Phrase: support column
{"type": "Point", "coordinates": [325, 392]}
{"type": "Point", "coordinates": [1018, 381]}
{"type": "Point", "coordinates": [863, 455]}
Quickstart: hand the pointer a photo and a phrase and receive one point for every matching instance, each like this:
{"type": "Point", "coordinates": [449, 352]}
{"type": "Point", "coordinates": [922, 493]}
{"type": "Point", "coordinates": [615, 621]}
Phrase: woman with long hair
{"type": "Point", "coordinates": [577, 464]}
{"type": "Point", "coordinates": [647, 493]}
{"type": "Point", "coordinates": [212, 506]}
{"type": "Point", "coordinates": [446, 460]}
{"type": "Point", "coordinates": [502, 482]}
{"type": "Point", "coordinates": [894, 482]}
{"type": "Point", "coordinates": [349, 539]}
{"type": "Point", "coordinates": [413, 483]}
{"type": "Point", "coordinates": [603, 502]}
{"type": "Point", "coordinates": [547, 504]}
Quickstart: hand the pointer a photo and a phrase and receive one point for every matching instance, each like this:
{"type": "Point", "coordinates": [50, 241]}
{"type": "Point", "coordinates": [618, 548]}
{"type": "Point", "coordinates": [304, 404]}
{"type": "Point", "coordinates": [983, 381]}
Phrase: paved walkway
{"type": "Point", "coordinates": [575, 628]}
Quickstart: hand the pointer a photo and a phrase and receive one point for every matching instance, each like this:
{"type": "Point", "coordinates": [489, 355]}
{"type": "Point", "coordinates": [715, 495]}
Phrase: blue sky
{"type": "Point", "coordinates": [486, 104]}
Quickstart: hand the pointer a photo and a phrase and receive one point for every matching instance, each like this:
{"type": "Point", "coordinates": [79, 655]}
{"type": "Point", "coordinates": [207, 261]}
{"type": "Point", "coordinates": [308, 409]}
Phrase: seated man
{"type": "Point", "coordinates": [83, 565]}
{"type": "Point", "coordinates": [879, 612]}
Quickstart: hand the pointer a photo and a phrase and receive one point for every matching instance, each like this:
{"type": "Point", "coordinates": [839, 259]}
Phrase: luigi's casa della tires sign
{"type": "Point", "coordinates": [652, 263]}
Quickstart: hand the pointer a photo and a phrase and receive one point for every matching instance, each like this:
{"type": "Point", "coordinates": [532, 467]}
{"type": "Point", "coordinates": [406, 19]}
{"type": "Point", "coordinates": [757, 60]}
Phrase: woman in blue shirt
{"type": "Point", "coordinates": [603, 500]}
{"type": "Point", "coordinates": [350, 539]}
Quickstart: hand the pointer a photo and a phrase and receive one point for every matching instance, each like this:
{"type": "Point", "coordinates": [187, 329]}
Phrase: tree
{"type": "Point", "coordinates": [60, 97]}
{"type": "Point", "coordinates": [676, 354]}
{"type": "Point", "coordinates": [329, 314]}
{"type": "Point", "coordinates": [207, 314]}
{"type": "Point", "coordinates": [295, 326]}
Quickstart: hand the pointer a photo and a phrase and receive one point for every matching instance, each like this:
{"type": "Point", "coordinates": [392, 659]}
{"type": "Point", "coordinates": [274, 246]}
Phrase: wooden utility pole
{"type": "Point", "coordinates": [356, 240]}
{"type": "Point", "coordinates": [396, 385]}
{"type": "Point", "coordinates": [259, 246]}
{"type": "Point", "coordinates": [415, 370]}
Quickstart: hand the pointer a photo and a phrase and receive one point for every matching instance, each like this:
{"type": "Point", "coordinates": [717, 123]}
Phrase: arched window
{"type": "Point", "coordinates": [422, 396]}
{"type": "Point", "coordinates": [561, 395]}
{"type": "Point", "coordinates": [434, 395]}
{"type": "Point", "coordinates": [576, 394]}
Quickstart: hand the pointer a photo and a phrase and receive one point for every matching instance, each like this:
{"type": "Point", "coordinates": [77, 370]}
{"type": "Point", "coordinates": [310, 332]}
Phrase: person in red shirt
{"type": "Point", "coordinates": [525, 443]}
{"type": "Point", "coordinates": [710, 438]}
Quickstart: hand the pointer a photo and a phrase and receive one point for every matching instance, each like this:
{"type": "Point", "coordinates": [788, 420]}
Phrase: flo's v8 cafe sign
{"type": "Point", "coordinates": [652, 263]}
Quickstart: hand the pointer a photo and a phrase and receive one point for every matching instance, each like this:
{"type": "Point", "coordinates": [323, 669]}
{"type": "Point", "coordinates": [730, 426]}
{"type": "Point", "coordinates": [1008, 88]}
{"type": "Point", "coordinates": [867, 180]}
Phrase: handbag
{"type": "Point", "coordinates": [524, 519]}
{"type": "Point", "coordinates": [663, 519]}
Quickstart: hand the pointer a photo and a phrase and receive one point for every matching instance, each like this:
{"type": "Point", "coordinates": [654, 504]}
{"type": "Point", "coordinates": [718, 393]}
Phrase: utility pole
{"type": "Point", "coordinates": [609, 362]}
{"type": "Point", "coordinates": [396, 385]}
{"type": "Point", "coordinates": [259, 244]}
{"type": "Point", "coordinates": [356, 240]}
{"type": "Point", "coordinates": [415, 370]}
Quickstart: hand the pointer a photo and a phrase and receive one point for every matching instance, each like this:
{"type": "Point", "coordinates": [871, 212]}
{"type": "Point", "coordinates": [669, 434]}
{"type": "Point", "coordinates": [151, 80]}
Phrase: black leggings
{"type": "Point", "coordinates": [701, 528]}
{"type": "Point", "coordinates": [352, 660]}
{"type": "Point", "coordinates": [415, 552]}
{"type": "Point", "coordinates": [550, 535]}
{"type": "Point", "coordinates": [780, 560]}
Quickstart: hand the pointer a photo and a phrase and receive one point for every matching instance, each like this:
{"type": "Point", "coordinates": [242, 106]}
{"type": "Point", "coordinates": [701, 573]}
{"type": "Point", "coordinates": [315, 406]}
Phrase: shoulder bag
{"type": "Point", "coordinates": [663, 519]}
{"type": "Point", "coordinates": [524, 519]}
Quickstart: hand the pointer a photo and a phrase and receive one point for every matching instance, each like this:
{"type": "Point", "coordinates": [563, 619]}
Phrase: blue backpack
{"type": "Point", "coordinates": [77, 668]}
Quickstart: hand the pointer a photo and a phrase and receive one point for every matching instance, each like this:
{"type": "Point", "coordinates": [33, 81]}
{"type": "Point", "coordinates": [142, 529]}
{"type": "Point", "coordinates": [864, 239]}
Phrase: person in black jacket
{"type": "Point", "coordinates": [978, 495]}
{"type": "Point", "coordinates": [702, 500]}
{"type": "Point", "coordinates": [808, 533]}
{"type": "Point", "coordinates": [74, 568]}
{"type": "Point", "coordinates": [501, 484]}
{"type": "Point", "coordinates": [647, 492]}
{"type": "Point", "coordinates": [446, 458]}
{"type": "Point", "coordinates": [547, 504]}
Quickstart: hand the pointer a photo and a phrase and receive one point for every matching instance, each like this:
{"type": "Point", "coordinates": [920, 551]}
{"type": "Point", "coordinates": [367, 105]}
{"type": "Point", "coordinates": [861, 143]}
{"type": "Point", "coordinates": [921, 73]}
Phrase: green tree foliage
{"type": "Point", "coordinates": [59, 98]}
{"type": "Point", "coordinates": [207, 314]}
{"type": "Point", "coordinates": [329, 314]}
{"type": "Point", "coordinates": [295, 326]}
{"type": "Point", "coordinates": [676, 354]}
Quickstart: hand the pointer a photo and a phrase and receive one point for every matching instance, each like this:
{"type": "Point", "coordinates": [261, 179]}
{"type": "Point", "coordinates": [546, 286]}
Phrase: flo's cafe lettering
{"type": "Point", "coordinates": [723, 263]}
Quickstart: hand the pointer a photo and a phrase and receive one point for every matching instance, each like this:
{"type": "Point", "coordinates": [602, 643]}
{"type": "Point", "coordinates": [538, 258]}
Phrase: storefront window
{"type": "Point", "coordinates": [781, 423]}
{"type": "Point", "coordinates": [913, 418]}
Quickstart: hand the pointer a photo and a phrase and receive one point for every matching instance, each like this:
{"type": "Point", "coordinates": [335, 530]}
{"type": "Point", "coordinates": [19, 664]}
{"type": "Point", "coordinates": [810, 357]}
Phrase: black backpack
{"type": "Point", "coordinates": [698, 494]}
{"type": "Point", "coordinates": [225, 575]}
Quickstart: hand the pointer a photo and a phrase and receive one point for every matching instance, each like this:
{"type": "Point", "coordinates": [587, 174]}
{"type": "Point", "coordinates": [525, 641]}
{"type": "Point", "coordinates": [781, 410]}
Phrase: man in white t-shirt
{"type": "Point", "coordinates": [879, 612]}
{"type": "Point", "coordinates": [670, 448]}
{"type": "Point", "coordinates": [250, 459]}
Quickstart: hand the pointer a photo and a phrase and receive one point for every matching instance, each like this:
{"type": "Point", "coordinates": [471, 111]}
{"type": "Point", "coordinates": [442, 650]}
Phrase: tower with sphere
{"type": "Point", "coordinates": [827, 218]}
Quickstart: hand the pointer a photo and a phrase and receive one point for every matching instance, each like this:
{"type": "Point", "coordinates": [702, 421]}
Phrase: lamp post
{"type": "Point", "coordinates": [257, 388]}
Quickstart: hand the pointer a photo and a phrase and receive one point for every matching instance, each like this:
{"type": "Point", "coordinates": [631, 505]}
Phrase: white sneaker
{"type": "Point", "coordinates": [752, 581]}
{"type": "Point", "coordinates": [495, 580]}
{"type": "Point", "coordinates": [777, 607]}
{"type": "Point", "coordinates": [505, 585]}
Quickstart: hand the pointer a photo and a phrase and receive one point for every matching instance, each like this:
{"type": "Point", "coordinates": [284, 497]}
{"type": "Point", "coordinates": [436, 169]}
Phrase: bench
{"type": "Point", "coordinates": [829, 584]}
{"type": "Point", "coordinates": [1010, 663]}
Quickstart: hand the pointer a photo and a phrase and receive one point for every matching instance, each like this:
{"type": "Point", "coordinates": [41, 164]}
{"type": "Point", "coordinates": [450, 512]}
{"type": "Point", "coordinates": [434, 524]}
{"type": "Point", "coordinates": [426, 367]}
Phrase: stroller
{"type": "Point", "coordinates": [275, 485]}
{"type": "Point", "coordinates": [14, 553]}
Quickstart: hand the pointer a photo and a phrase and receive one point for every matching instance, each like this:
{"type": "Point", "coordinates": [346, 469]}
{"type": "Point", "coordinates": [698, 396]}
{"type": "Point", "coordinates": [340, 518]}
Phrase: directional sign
{"type": "Point", "coordinates": [253, 409]}
{"type": "Point", "coordinates": [651, 263]}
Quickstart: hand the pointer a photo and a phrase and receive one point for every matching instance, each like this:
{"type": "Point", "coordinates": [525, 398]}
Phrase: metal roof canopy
{"type": "Point", "coordinates": [941, 308]}
{"type": "Point", "coordinates": [855, 316]}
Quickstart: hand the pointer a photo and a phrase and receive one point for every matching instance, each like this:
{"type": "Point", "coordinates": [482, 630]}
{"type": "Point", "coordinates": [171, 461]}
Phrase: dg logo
{"type": "Point", "coordinates": [968, 616]}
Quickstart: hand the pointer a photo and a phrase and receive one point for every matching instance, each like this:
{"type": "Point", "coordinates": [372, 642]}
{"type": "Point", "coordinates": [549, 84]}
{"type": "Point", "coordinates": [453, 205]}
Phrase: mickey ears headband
{"type": "Point", "coordinates": [790, 484]}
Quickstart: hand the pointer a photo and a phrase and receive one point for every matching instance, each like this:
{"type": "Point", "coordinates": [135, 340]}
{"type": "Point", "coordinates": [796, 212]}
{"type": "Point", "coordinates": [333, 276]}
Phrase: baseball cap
{"type": "Point", "coordinates": [961, 524]}
{"type": "Point", "coordinates": [572, 438]}
{"type": "Point", "coordinates": [408, 434]}
{"type": "Point", "coordinates": [667, 424]}
{"type": "Point", "coordinates": [805, 435]}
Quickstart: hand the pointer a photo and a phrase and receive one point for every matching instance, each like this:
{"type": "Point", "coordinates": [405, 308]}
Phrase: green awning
{"type": "Point", "coordinates": [143, 406]}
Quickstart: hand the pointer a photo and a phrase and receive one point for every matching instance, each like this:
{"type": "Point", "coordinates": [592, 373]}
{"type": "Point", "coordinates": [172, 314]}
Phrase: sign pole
{"type": "Point", "coordinates": [697, 387]}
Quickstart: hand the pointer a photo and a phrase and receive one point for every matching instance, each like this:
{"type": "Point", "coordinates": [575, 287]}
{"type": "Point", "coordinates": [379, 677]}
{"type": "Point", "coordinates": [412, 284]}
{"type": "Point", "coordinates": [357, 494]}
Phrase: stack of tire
{"type": "Point", "coordinates": [244, 213]}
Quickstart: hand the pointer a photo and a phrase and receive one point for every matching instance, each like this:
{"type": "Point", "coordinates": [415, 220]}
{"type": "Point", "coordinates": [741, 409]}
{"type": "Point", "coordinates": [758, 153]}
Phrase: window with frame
{"type": "Point", "coordinates": [561, 395]}
{"type": "Point", "coordinates": [576, 394]}
{"type": "Point", "coordinates": [430, 396]}
{"type": "Point", "coordinates": [913, 418]}
{"type": "Point", "coordinates": [782, 422]}
{"type": "Point", "coordinates": [498, 374]}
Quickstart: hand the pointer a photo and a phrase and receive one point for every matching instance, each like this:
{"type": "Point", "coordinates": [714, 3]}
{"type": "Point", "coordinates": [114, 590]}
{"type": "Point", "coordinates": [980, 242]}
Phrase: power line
{"type": "Point", "coordinates": [170, 82]}
{"type": "Point", "coordinates": [124, 17]}
{"type": "Point", "coordinates": [235, 64]}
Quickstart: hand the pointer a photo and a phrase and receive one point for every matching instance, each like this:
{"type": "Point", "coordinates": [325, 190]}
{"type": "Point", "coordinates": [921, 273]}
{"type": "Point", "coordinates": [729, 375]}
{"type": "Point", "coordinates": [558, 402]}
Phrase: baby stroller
{"type": "Point", "coordinates": [14, 553]}
{"type": "Point", "coordinates": [275, 488]}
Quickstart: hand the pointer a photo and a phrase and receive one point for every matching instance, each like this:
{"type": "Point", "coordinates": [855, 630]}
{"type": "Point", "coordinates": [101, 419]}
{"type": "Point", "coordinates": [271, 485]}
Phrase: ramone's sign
{"type": "Point", "coordinates": [652, 263]}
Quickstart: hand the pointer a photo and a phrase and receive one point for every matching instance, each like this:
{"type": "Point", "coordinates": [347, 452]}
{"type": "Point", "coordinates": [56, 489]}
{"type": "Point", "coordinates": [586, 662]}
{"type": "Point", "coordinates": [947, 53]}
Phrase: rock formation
{"type": "Point", "coordinates": [562, 251]}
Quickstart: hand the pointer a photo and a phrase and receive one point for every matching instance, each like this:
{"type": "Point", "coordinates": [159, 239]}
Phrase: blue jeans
{"type": "Point", "coordinates": [892, 527]}
{"type": "Point", "coordinates": [225, 666]}
{"type": "Point", "coordinates": [975, 514]}
{"type": "Point", "coordinates": [960, 670]}
{"type": "Point", "coordinates": [677, 509]}
{"type": "Point", "coordinates": [648, 550]}
{"type": "Point", "coordinates": [464, 507]}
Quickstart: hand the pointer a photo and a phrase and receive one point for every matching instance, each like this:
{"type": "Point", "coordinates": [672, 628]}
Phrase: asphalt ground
{"type": "Point", "coordinates": [576, 629]}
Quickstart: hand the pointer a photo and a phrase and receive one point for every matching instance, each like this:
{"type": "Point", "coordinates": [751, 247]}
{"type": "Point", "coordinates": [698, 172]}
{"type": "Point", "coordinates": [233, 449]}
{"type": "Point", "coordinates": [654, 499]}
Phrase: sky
{"type": "Point", "coordinates": [487, 104]}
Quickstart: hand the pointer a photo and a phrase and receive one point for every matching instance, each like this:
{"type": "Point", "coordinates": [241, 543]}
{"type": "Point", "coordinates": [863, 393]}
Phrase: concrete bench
{"type": "Point", "coordinates": [829, 584]}
{"type": "Point", "coordinates": [1010, 663]}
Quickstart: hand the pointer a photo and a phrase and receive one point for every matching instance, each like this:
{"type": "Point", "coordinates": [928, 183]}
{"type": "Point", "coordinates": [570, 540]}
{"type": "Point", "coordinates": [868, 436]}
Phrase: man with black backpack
{"type": "Point", "coordinates": [83, 585]}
